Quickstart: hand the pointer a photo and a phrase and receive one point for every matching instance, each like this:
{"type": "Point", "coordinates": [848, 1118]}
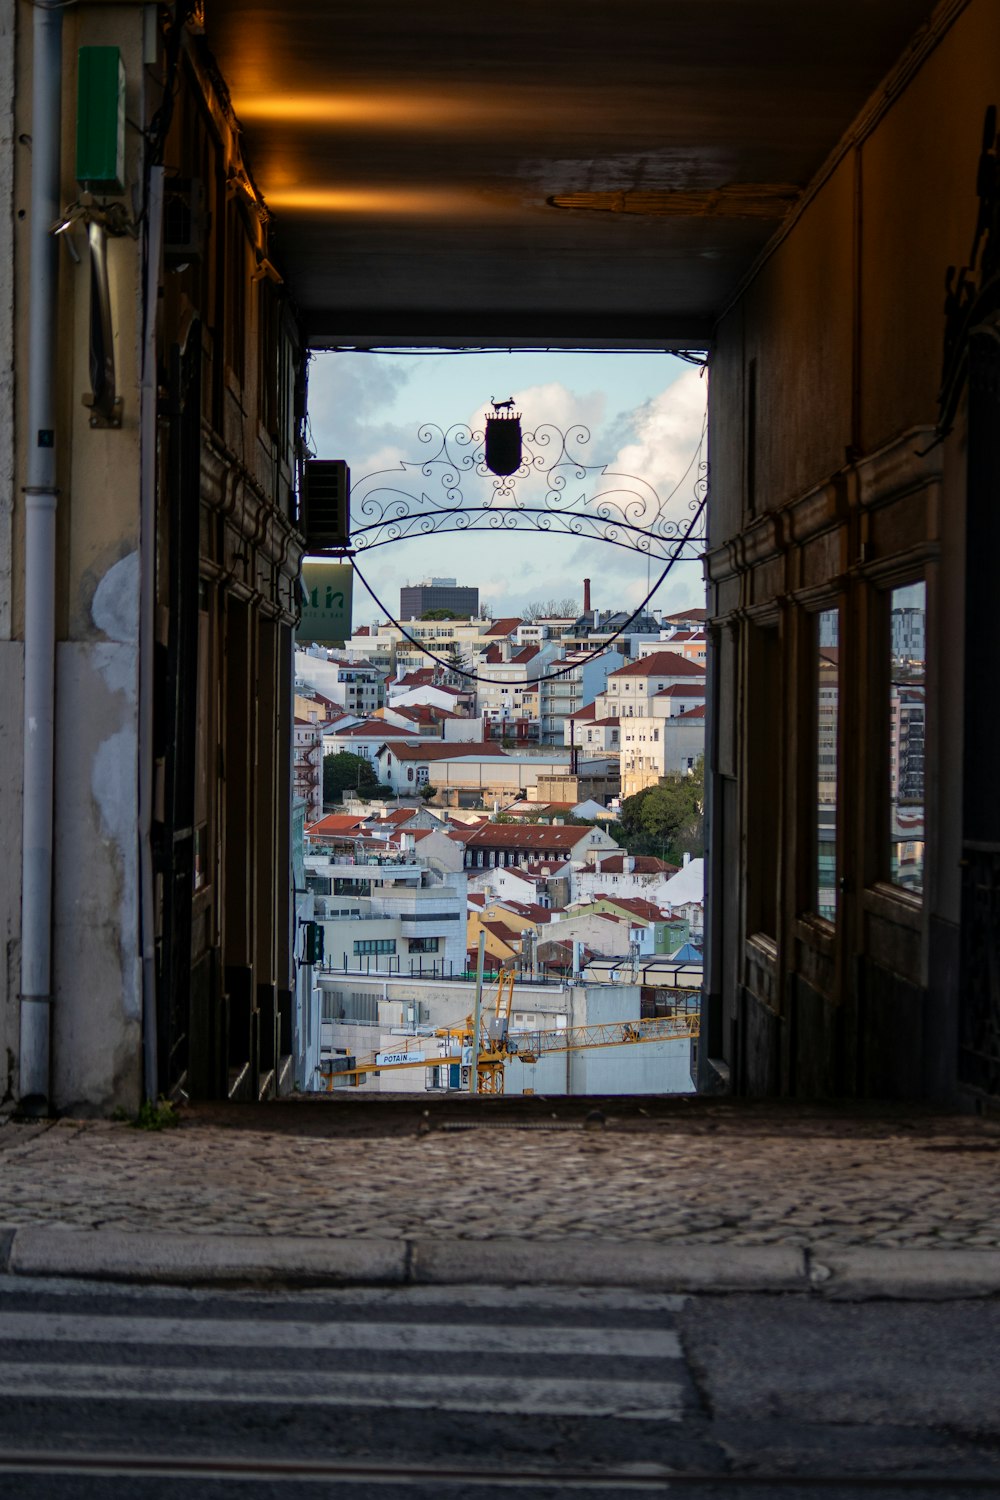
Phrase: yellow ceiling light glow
{"type": "Point", "coordinates": [382, 110]}
{"type": "Point", "coordinates": [429, 201]}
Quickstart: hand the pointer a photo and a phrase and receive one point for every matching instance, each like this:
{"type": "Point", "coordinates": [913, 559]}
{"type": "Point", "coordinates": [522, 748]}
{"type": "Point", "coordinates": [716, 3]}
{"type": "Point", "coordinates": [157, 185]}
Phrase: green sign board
{"type": "Point", "coordinates": [327, 589]}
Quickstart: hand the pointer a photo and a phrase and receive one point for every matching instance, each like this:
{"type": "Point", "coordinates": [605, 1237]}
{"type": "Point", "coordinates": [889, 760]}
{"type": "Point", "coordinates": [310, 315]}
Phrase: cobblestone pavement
{"type": "Point", "coordinates": [707, 1178]}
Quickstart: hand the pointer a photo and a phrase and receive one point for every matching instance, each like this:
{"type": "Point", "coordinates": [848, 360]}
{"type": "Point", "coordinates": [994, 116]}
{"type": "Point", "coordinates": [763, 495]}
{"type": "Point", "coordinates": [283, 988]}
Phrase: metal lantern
{"type": "Point", "coordinates": [503, 438]}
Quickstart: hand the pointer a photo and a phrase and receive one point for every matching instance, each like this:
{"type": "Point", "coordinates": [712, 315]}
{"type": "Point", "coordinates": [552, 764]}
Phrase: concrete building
{"type": "Point", "coordinates": [580, 678]}
{"type": "Point", "coordinates": [438, 593]}
{"type": "Point", "coordinates": [387, 912]}
{"type": "Point", "coordinates": [670, 740]}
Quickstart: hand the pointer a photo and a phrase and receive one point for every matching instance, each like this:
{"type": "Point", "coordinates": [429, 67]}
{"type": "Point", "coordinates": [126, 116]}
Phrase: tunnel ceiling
{"type": "Point", "coordinates": [537, 172]}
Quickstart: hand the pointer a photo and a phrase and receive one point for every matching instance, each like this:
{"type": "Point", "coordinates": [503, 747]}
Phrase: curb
{"type": "Point", "coordinates": [286, 1260]}
{"type": "Point", "coordinates": [928, 1275]}
{"type": "Point", "coordinates": [611, 1263]}
{"type": "Point", "coordinates": [204, 1259]}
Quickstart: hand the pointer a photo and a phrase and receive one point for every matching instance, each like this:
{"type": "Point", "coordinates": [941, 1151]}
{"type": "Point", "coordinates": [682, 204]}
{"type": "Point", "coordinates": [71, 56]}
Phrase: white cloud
{"type": "Point", "coordinates": [368, 409]}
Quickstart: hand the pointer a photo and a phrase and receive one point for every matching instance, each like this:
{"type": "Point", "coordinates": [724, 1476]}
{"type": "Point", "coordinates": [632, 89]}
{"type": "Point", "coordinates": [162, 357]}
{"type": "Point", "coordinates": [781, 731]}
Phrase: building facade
{"type": "Point", "coordinates": [438, 593]}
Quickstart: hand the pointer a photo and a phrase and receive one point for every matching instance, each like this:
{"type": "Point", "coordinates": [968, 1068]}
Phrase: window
{"type": "Point", "coordinates": [907, 729]}
{"type": "Point", "coordinates": [374, 945]}
{"type": "Point", "coordinates": [425, 945]}
{"type": "Point", "coordinates": [827, 701]}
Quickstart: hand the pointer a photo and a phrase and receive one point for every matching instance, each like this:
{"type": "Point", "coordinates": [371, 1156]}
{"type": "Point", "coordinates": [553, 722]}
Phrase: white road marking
{"type": "Point", "coordinates": [659, 1400]}
{"type": "Point", "coordinates": [443, 1338]}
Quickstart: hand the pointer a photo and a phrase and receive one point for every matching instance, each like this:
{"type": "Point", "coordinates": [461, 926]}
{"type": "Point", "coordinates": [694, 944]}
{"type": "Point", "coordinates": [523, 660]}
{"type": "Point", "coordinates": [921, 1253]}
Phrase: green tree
{"type": "Point", "coordinates": [344, 772]}
{"type": "Point", "coordinates": [441, 614]}
{"type": "Point", "coordinates": [666, 820]}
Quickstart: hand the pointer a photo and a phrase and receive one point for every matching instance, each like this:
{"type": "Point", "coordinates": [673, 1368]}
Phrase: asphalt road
{"type": "Point", "coordinates": [481, 1391]}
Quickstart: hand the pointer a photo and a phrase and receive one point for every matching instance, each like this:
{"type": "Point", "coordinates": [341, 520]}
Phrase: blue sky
{"type": "Point", "coordinates": [644, 413]}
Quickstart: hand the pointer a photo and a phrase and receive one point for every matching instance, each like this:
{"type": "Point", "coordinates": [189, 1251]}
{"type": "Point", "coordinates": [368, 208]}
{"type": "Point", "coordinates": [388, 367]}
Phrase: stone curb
{"type": "Point", "coordinates": [581, 1262]}
{"type": "Point", "coordinates": [275, 1260]}
{"type": "Point", "coordinates": [199, 1259]}
{"type": "Point", "coordinates": [930, 1275]}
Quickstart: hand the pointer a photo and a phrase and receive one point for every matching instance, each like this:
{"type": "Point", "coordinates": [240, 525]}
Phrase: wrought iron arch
{"type": "Point", "coordinates": [555, 491]}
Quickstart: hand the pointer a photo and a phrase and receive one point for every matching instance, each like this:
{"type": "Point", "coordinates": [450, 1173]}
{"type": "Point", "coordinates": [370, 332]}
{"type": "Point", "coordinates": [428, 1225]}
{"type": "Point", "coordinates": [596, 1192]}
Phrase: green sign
{"type": "Point", "coordinates": [327, 589]}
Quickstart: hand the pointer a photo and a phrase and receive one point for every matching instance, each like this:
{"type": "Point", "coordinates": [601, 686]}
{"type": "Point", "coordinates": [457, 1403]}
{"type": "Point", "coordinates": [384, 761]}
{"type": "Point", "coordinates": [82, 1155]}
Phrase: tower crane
{"type": "Point", "coordinates": [496, 1045]}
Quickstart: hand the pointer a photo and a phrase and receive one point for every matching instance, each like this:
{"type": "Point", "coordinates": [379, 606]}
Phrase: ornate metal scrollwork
{"type": "Point", "coordinates": [555, 490]}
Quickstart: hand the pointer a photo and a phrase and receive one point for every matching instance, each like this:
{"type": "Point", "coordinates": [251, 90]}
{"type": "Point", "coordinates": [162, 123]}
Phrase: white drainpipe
{"type": "Point", "coordinates": [147, 598]}
{"type": "Point", "coordinates": [40, 564]}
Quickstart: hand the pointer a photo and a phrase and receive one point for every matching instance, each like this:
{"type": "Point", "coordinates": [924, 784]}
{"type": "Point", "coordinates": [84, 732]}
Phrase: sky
{"type": "Point", "coordinates": [645, 415]}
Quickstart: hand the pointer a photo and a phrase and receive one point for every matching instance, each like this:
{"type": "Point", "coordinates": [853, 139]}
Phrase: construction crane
{"type": "Point", "coordinates": [497, 1046]}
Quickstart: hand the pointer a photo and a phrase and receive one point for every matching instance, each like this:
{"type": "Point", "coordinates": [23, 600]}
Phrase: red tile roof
{"type": "Point", "coordinates": [584, 713]}
{"type": "Point", "coordinates": [660, 664]}
{"type": "Point", "coordinates": [696, 690]}
{"type": "Point", "coordinates": [692, 713]}
{"type": "Point", "coordinates": [373, 729]}
{"type": "Point", "coordinates": [336, 823]}
{"type": "Point", "coordinates": [532, 836]}
{"type": "Point", "coordinates": [503, 932]}
{"type": "Point", "coordinates": [529, 909]}
{"type": "Point", "coordinates": [688, 614]}
{"type": "Point", "coordinates": [494, 656]}
{"type": "Point", "coordinates": [506, 626]}
{"type": "Point", "coordinates": [444, 750]}
{"type": "Point", "coordinates": [634, 904]}
{"type": "Point", "coordinates": [537, 868]}
{"type": "Point", "coordinates": [644, 864]}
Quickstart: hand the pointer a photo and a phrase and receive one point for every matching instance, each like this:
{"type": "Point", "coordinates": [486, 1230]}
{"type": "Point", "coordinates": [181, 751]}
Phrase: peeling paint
{"type": "Point", "coordinates": [112, 782]}
{"type": "Point", "coordinates": [115, 608]}
{"type": "Point", "coordinates": [119, 667]}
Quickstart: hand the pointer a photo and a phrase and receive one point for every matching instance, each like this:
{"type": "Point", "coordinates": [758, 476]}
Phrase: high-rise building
{"type": "Point", "coordinates": [438, 593]}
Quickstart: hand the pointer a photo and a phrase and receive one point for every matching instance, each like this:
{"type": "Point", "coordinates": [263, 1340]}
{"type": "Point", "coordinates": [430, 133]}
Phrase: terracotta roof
{"type": "Point", "coordinates": [503, 932]}
{"type": "Point", "coordinates": [613, 722]}
{"type": "Point", "coordinates": [584, 713]}
{"type": "Point", "coordinates": [696, 690]}
{"type": "Point", "coordinates": [476, 898]}
{"type": "Point", "coordinates": [494, 656]}
{"type": "Point", "coordinates": [373, 729]}
{"type": "Point", "coordinates": [444, 750]}
{"type": "Point", "coordinates": [532, 836]}
{"type": "Point", "coordinates": [537, 868]}
{"type": "Point", "coordinates": [661, 664]}
{"type": "Point", "coordinates": [692, 713]}
{"type": "Point", "coordinates": [634, 904]}
{"type": "Point", "coordinates": [645, 864]}
{"type": "Point", "coordinates": [688, 614]}
{"type": "Point", "coordinates": [529, 909]}
{"type": "Point", "coordinates": [506, 626]}
{"type": "Point", "coordinates": [336, 823]}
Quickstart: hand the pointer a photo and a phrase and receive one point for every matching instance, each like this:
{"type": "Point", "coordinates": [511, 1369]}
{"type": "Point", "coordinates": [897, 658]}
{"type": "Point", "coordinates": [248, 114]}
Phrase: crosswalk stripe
{"type": "Point", "coordinates": [443, 1337]}
{"type": "Point", "coordinates": [628, 1400]}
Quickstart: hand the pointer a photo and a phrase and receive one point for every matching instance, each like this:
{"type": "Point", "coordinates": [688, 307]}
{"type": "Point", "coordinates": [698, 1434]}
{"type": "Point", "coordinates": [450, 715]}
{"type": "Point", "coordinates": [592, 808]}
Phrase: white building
{"type": "Point", "coordinates": [383, 912]}
{"type": "Point", "coordinates": [307, 763]}
{"type": "Point", "coordinates": [684, 894]}
{"type": "Point", "coordinates": [621, 874]}
{"type": "Point", "coordinates": [669, 741]}
{"type": "Point", "coordinates": [631, 688]}
{"type": "Point", "coordinates": [355, 686]}
{"type": "Point", "coordinates": [573, 689]}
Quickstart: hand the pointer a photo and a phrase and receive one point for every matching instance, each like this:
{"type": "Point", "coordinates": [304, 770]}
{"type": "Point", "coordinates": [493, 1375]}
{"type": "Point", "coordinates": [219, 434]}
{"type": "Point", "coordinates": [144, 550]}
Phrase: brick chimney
{"type": "Point", "coordinates": [586, 596]}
